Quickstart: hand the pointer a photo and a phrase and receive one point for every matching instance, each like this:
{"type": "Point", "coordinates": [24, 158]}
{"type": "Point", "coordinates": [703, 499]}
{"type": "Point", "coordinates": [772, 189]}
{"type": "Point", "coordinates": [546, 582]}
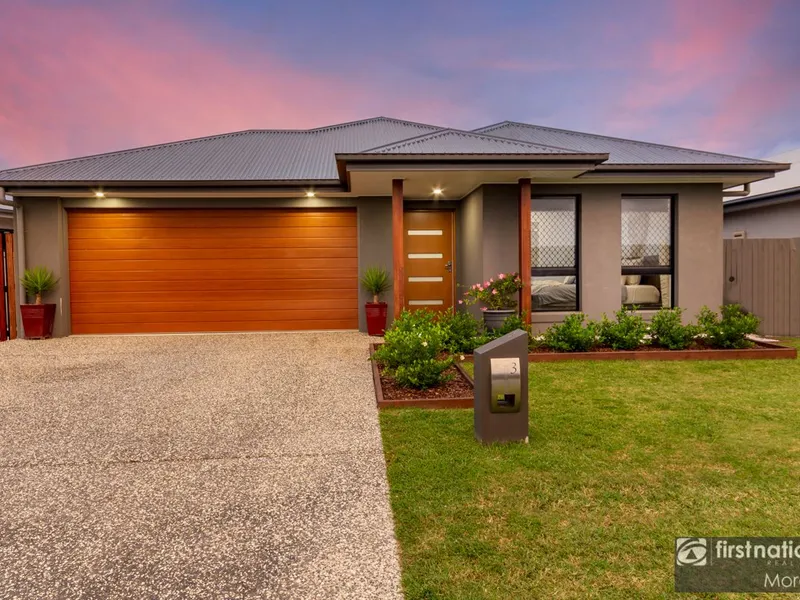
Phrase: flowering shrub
{"type": "Point", "coordinates": [627, 332]}
{"type": "Point", "coordinates": [460, 331]}
{"type": "Point", "coordinates": [413, 350]}
{"type": "Point", "coordinates": [728, 330]}
{"type": "Point", "coordinates": [497, 293]}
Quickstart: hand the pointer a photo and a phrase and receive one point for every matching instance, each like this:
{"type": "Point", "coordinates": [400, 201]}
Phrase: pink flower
{"type": "Point", "coordinates": [501, 276]}
{"type": "Point", "coordinates": [491, 281]}
{"type": "Point", "coordinates": [494, 292]}
{"type": "Point", "coordinates": [483, 308]}
{"type": "Point", "coordinates": [480, 289]}
{"type": "Point", "coordinates": [485, 284]}
{"type": "Point", "coordinates": [461, 302]}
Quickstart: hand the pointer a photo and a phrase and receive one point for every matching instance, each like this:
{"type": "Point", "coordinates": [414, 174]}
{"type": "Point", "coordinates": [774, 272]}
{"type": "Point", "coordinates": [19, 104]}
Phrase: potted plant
{"type": "Point", "coordinates": [38, 318]}
{"type": "Point", "coordinates": [376, 281]}
{"type": "Point", "coordinates": [498, 296]}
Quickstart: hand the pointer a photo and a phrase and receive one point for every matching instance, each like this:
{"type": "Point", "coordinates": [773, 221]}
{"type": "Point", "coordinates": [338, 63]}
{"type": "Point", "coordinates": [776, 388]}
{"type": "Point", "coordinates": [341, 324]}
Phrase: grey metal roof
{"type": "Point", "coordinates": [766, 199]}
{"type": "Point", "coordinates": [310, 155]}
{"type": "Point", "coordinates": [453, 141]}
{"type": "Point", "coordinates": [254, 155]}
{"type": "Point", "coordinates": [622, 151]}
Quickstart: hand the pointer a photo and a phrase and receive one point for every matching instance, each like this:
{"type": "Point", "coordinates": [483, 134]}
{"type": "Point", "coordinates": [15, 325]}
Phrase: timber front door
{"type": "Point", "coordinates": [429, 257]}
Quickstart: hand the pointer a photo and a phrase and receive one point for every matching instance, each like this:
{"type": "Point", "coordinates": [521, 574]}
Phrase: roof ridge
{"type": "Point", "coordinates": [151, 147]}
{"type": "Point", "coordinates": [370, 120]}
{"type": "Point", "coordinates": [415, 139]}
{"type": "Point", "coordinates": [619, 139]}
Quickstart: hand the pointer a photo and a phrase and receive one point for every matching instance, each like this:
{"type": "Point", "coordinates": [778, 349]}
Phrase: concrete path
{"type": "Point", "coordinates": [240, 466]}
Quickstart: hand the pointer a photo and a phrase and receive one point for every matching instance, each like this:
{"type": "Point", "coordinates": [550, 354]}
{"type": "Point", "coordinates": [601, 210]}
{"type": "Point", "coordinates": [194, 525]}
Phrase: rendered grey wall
{"type": "Point", "coordinates": [776, 221]}
{"type": "Point", "coordinates": [500, 229]}
{"type": "Point", "coordinates": [45, 239]}
{"type": "Point", "coordinates": [374, 248]}
{"type": "Point", "coordinates": [469, 244]}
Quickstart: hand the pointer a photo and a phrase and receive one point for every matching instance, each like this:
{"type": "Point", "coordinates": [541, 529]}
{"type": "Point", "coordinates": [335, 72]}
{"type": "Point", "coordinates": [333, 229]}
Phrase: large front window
{"type": "Point", "coordinates": [647, 257]}
{"type": "Point", "coordinates": [554, 253]}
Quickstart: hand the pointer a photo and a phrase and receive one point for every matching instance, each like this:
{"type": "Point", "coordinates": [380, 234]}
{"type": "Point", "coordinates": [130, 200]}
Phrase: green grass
{"type": "Point", "coordinates": [623, 458]}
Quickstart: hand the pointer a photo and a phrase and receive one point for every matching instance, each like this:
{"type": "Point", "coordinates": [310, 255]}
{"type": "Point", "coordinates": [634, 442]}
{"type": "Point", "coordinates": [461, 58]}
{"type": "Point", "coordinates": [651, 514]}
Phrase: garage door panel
{"type": "Point", "coordinates": [285, 296]}
{"type": "Point", "coordinates": [78, 244]}
{"type": "Point", "coordinates": [229, 326]}
{"type": "Point", "coordinates": [237, 286]}
{"type": "Point", "coordinates": [188, 275]}
{"type": "Point", "coordinates": [218, 232]}
{"type": "Point", "coordinates": [176, 271]}
{"type": "Point", "coordinates": [208, 316]}
{"type": "Point", "coordinates": [207, 253]}
{"type": "Point", "coordinates": [252, 266]}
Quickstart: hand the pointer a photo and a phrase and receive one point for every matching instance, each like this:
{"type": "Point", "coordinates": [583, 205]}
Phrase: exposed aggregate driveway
{"type": "Point", "coordinates": [236, 466]}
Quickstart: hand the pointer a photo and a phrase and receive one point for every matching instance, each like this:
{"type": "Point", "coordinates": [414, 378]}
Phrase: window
{"type": "Point", "coordinates": [647, 251]}
{"type": "Point", "coordinates": [554, 253]}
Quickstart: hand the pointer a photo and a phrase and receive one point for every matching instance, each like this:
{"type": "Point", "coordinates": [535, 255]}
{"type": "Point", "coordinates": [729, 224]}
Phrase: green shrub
{"type": "Point", "coordinates": [669, 332]}
{"type": "Point", "coordinates": [422, 374]}
{"type": "Point", "coordinates": [729, 330]}
{"type": "Point", "coordinates": [413, 350]}
{"type": "Point", "coordinates": [627, 332]}
{"type": "Point", "coordinates": [571, 335]}
{"type": "Point", "coordinates": [460, 330]}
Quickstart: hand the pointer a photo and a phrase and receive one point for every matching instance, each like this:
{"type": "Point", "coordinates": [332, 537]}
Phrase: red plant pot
{"type": "Point", "coordinates": [376, 317]}
{"type": "Point", "coordinates": [37, 320]}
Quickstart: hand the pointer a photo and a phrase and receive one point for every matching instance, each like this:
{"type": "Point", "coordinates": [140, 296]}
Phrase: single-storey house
{"type": "Point", "coordinates": [772, 210]}
{"type": "Point", "coordinates": [269, 229]}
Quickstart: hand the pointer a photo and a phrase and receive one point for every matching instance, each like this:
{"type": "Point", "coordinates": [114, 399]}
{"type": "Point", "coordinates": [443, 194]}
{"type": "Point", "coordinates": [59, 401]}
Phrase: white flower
{"type": "Point", "coordinates": [425, 344]}
{"type": "Point", "coordinates": [701, 335]}
{"type": "Point", "coordinates": [539, 338]}
{"type": "Point", "coordinates": [462, 357]}
{"type": "Point", "coordinates": [647, 336]}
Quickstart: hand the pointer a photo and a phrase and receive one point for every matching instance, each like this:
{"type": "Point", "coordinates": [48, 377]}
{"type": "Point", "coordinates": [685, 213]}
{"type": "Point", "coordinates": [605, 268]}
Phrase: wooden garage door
{"type": "Point", "coordinates": [147, 271]}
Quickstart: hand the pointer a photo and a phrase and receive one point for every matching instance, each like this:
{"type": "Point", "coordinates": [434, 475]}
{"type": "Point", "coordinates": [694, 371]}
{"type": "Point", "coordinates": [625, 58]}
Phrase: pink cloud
{"type": "Point", "coordinates": [78, 80]}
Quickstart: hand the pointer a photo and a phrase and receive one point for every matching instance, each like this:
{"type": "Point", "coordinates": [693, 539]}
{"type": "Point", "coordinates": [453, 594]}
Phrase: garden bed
{"type": "Point", "coordinates": [760, 351]}
{"type": "Point", "coordinates": [456, 393]}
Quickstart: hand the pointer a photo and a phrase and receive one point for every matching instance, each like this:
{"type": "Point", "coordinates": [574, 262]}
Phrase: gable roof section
{"type": "Point", "coordinates": [253, 155]}
{"type": "Point", "coordinates": [621, 151]}
{"type": "Point", "coordinates": [783, 196]}
{"type": "Point", "coordinates": [454, 141]}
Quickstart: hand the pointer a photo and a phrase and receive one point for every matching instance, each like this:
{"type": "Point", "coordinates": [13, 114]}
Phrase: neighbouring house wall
{"type": "Point", "coordinates": [45, 239]}
{"type": "Point", "coordinates": [46, 234]}
{"type": "Point", "coordinates": [469, 244]}
{"type": "Point", "coordinates": [776, 221]}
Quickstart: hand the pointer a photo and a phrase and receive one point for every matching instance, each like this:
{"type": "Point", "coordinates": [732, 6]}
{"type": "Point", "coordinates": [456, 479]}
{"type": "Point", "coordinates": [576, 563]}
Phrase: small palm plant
{"type": "Point", "coordinates": [38, 281]}
{"type": "Point", "coordinates": [376, 281]}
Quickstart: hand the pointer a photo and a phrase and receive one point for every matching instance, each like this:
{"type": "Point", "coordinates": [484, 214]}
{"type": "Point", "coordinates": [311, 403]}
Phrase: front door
{"type": "Point", "coordinates": [429, 259]}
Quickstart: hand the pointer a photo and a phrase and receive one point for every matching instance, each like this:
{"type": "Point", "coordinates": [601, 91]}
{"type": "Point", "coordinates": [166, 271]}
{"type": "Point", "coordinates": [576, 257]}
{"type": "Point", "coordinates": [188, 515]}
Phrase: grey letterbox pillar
{"type": "Point", "coordinates": [501, 389]}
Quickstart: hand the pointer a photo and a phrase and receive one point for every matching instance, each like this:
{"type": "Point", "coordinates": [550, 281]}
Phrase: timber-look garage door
{"type": "Point", "coordinates": [149, 271]}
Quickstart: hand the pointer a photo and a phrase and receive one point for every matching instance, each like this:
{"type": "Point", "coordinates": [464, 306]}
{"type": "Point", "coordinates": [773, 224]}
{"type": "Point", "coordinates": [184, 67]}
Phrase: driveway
{"type": "Point", "coordinates": [203, 466]}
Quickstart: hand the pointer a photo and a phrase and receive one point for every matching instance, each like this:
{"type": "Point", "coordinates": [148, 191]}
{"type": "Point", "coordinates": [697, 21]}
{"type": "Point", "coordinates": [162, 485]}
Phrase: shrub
{"type": "Point", "coordinates": [413, 350]}
{"type": "Point", "coordinates": [571, 335]}
{"type": "Point", "coordinates": [460, 330]}
{"type": "Point", "coordinates": [729, 330]}
{"type": "Point", "coordinates": [627, 332]}
{"type": "Point", "coordinates": [669, 332]}
{"type": "Point", "coordinates": [376, 281]}
{"type": "Point", "coordinates": [496, 293]}
{"type": "Point", "coordinates": [422, 374]}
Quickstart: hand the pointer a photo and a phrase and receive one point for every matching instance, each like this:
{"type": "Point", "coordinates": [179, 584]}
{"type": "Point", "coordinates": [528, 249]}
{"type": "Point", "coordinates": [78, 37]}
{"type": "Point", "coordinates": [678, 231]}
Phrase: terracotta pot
{"type": "Point", "coordinates": [493, 319]}
{"type": "Point", "coordinates": [37, 320]}
{"type": "Point", "coordinates": [376, 317]}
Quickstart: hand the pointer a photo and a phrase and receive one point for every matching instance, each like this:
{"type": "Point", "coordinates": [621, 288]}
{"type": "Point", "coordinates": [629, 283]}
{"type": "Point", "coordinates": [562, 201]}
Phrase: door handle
{"type": "Point", "coordinates": [448, 266]}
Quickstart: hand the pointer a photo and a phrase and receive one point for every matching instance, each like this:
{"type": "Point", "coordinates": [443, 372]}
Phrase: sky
{"type": "Point", "coordinates": [88, 76]}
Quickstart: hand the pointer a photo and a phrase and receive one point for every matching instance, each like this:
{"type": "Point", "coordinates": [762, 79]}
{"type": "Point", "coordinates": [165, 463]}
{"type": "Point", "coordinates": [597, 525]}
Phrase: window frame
{"type": "Point", "coordinates": [562, 271]}
{"type": "Point", "coordinates": [657, 270]}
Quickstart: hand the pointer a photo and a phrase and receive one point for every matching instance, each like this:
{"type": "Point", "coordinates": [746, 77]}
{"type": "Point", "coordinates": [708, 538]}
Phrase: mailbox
{"type": "Point", "coordinates": [506, 379]}
{"type": "Point", "coordinates": [501, 389]}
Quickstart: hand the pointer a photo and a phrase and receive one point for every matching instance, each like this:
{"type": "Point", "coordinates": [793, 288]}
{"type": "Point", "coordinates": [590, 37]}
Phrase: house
{"type": "Point", "coordinates": [269, 229]}
{"type": "Point", "coordinates": [772, 210]}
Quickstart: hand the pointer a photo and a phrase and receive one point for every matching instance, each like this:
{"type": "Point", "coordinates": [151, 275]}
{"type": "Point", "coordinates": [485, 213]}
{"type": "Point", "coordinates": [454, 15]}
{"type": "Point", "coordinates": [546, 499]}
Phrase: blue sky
{"type": "Point", "coordinates": [82, 77]}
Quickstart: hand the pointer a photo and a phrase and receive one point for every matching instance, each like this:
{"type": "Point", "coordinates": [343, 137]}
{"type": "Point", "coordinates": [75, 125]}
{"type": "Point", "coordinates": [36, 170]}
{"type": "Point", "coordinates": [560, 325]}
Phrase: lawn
{"type": "Point", "coordinates": [623, 458]}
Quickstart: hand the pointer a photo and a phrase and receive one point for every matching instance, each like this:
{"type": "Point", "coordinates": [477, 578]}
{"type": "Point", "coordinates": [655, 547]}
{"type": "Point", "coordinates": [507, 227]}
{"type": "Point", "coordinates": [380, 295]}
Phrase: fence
{"type": "Point", "coordinates": [8, 310]}
{"type": "Point", "coordinates": [764, 277]}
